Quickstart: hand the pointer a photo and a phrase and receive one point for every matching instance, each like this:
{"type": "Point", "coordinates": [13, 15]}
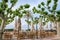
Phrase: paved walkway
{"type": "Point", "coordinates": [52, 38]}
{"type": "Point", "coordinates": [49, 38]}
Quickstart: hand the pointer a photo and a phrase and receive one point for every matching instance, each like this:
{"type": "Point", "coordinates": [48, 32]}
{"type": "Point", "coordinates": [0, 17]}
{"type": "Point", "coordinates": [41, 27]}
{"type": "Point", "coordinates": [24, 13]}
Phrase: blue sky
{"type": "Point", "coordinates": [32, 4]}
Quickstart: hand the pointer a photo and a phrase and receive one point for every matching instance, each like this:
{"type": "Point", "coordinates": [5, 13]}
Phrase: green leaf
{"type": "Point", "coordinates": [54, 6]}
{"type": "Point", "coordinates": [48, 2]}
{"type": "Point", "coordinates": [34, 9]}
{"type": "Point", "coordinates": [28, 21]}
{"type": "Point", "coordinates": [1, 10]}
{"type": "Point", "coordinates": [24, 11]}
{"type": "Point", "coordinates": [58, 12]}
{"type": "Point", "coordinates": [51, 15]}
{"type": "Point", "coordinates": [48, 7]}
{"type": "Point", "coordinates": [20, 15]}
{"type": "Point", "coordinates": [44, 23]}
{"type": "Point", "coordinates": [13, 1]}
{"type": "Point", "coordinates": [36, 20]}
{"type": "Point", "coordinates": [21, 7]}
{"type": "Point", "coordinates": [38, 11]}
{"type": "Point", "coordinates": [0, 21]}
{"type": "Point", "coordinates": [5, 5]}
{"type": "Point", "coordinates": [26, 5]}
{"type": "Point", "coordinates": [5, 0]}
{"type": "Point", "coordinates": [45, 13]}
{"type": "Point", "coordinates": [55, 1]}
{"type": "Point", "coordinates": [39, 6]}
{"type": "Point", "coordinates": [42, 9]}
{"type": "Point", "coordinates": [51, 11]}
{"type": "Point", "coordinates": [42, 3]}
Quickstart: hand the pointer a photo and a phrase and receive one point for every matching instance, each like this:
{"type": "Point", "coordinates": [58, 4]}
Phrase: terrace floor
{"type": "Point", "coordinates": [49, 38]}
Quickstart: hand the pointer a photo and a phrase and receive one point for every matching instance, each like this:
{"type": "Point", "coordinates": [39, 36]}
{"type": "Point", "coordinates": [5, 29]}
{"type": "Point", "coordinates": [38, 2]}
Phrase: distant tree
{"type": "Point", "coordinates": [6, 14]}
{"type": "Point", "coordinates": [27, 16]}
{"type": "Point", "coordinates": [32, 25]}
{"type": "Point", "coordinates": [27, 21]}
{"type": "Point", "coordinates": [40, 23]}
{"type": "Point", "coordinates": [50, 12]}
{"type": "Point", "coordinates": [20, 13]}
{"type": "Point", "coordinates": [35, 20]}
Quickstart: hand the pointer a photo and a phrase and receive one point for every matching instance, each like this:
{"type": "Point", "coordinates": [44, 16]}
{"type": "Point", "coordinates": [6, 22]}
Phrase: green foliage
{"type": "Point", "coordinates": [51, 17]}
{"type": "Point", "coordinates": [45, 13]}
{"type": "Point", "coordinates": [28, 30]}
{"type": "Point", "coordinates": [8, 30]}
{"type": "Point", "coordinates": [28, 21]}
{"type": "Point", "coordinates": [0, 21]}
{"type": "Point", "coordinates": [13, 1]}
{"type": "Point", "coordinates": [42, 3]}
{"type": "Point", "coordinates": [48, 2]}
{"type": "Point", "coordinates": [36, 20]}
{"type": "Point", "coordinates": [39, 6]}
{"type": "Point", "coordinates": [54, 6]}
{"type": "Point", "coordinates": [38, 11]}
{"type": "Point", "coordinates": [58, 19]}
{"type": "Point", "coordinates": [26, 5]}
{"type": "Point", "coordinates": [48, 7]}
{"type": "Point", "coordinates": [51, 11]}
{"type": "Point", "coordinates": [3, 5]}
{"type": "Point", "coordinates": [20, 15]}
{"type": "Point", "coordinates": [21, 7]}
{"type": "Point", "coordinates": [58, 15]}
{"type": "Point", "coordinates": [58, 12]}
{"type": "Point", "coordinates": [48, 11]}
{"type": "Point", "coordinates": [24, 11]}
{"type": "Point", "coordinates": [10, 11]}
{"type": "Point", "coordinates": [8, 21]}
{"type": "Point", "coordinates": [44, 23]}
{"type": "Point", "coordinates": [5, 0]}
{"type": "Point", "coordinates": [34, 9]}
{"type": "Point", "coordinates": [6, 13]}
{"type": "Point", "coordinates": [55, 1]}
{"type": "Point", "coordinates": [42, 9]}
{"type": "Point", "coordinates": [1, 10]}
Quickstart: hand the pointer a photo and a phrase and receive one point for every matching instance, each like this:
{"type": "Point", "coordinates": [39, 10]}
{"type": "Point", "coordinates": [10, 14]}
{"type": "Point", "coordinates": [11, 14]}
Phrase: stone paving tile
{"type": "Point", "coordinates": [49, 38]}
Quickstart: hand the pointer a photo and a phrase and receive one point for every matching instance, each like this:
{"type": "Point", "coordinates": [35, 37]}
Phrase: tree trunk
{"type": "Point", "coordinates": [47, 26]}
{"type": "Point", "coordinates": [28, 23]}
{"type": "Point", "coordinates": [40, 27]}
{"type": "Point", "coordinates": [58, 28]}
{"type": "Point", "coordinates": [36, 31]}
{"type": "Point", "coordinates": [15, 24]}
{"type": "Point", "coordinates": [2, 29]}
{"type": "Point", "coordinates": [32, 26]}
{"type": "Point", "coordinates": [18, 26]}
{"type": "Point", "coordinates": [19, 23]}
{"type": "Point", "coordinates": [28, 28]}
{"type": "Point", "coordinates": [54, 25]}
{"type": "Point", "coordinates": [50, 25]}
